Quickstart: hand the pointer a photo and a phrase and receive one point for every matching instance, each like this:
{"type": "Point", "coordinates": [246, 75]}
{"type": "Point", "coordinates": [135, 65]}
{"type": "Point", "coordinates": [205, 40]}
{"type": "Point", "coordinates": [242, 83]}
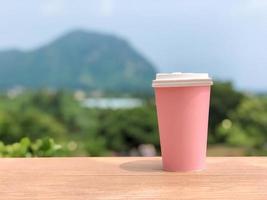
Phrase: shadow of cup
{"type": "Point", "coordinates": [142, 166]}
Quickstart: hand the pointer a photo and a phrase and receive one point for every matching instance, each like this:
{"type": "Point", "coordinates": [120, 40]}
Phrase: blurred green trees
{"type": "Point", "coordinates": [247, 125]}
{"type": "Point", "coordinates": [224, 100]}
{"type": "Point", "coordinates": [40, 118]}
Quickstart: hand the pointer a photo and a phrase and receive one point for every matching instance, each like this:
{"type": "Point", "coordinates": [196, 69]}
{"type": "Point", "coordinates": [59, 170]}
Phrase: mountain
{"type": "Point", "coordinates": [78, 60]}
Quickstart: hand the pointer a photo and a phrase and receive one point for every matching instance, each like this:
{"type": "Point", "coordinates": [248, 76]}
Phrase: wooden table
{"type": "Point", "coordinates": [130, 178]}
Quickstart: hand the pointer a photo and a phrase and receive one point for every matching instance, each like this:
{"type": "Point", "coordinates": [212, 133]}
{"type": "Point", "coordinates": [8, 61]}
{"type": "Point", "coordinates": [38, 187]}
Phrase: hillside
{"type": "Point", "coordinates": [78, 60]}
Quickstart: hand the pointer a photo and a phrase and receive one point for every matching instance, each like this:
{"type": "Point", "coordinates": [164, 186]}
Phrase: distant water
{"type": "Point", "coordinates": [112, 103]}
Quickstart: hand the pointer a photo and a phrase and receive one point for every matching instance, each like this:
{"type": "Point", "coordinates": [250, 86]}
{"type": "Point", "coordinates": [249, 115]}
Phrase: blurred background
{"type": "Point", "coordinates": [75, 76]}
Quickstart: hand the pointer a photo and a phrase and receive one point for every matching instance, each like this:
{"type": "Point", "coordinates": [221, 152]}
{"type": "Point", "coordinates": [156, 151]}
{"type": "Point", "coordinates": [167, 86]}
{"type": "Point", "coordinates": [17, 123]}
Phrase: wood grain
{"type": "Point", "coordinates": [239, 178]}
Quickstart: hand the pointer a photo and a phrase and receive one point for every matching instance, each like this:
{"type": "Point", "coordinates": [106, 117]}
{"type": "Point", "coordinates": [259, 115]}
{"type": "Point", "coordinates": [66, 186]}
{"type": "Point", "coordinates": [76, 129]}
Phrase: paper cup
{"type": "Point", "coordinates": [182, 102]}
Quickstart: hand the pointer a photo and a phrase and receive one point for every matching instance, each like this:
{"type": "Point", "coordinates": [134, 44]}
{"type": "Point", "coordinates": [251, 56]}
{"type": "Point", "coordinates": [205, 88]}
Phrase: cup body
{"type": "Point", "coordinates": [183, 125]}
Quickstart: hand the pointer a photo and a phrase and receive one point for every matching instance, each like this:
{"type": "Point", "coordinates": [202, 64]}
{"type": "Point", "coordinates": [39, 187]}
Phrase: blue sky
{"type": "Point", "coordinates": [226, 38]}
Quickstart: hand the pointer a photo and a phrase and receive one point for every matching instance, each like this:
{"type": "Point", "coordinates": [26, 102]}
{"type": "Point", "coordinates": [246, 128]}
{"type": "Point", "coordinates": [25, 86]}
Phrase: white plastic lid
{"type": "Point", "coordinates": [178, 79]}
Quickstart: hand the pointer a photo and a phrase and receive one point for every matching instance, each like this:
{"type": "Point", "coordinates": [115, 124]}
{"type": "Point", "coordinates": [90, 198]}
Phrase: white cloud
{"type": "Point", "coordinates": [106, 8]}
{"type": "Point", "coordinates": [254, 7]}
{"type": "Point", "coordinates": [51, 8]}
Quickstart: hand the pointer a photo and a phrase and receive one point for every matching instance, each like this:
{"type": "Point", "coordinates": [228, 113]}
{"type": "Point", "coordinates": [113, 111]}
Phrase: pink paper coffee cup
{"type": "Point", "coordinates": [182, 102]}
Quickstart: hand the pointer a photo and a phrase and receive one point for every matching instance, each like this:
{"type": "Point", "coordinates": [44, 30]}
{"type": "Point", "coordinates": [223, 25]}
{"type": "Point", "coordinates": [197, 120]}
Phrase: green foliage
{"type": "Point", "coordinates": [58, 115]}
{"type": "Point", "coordinates": [224, 99]}
{"type": "Point", "coordinates": [45, 147]}
{"type": "Point", "coordinates": [125, 129]}
{"type": "Point", "coordinates": [31, 123]}
{"type": "Point", "coordinates": [248, 123]}
{"type": "Point", "coordinates": [236, 119]}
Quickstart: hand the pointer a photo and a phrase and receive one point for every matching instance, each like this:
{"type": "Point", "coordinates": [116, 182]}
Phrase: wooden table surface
{"type": "Point", "coordinates": [239, 178]}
